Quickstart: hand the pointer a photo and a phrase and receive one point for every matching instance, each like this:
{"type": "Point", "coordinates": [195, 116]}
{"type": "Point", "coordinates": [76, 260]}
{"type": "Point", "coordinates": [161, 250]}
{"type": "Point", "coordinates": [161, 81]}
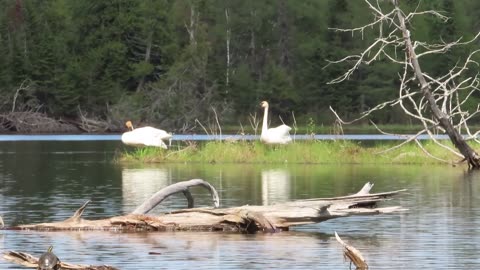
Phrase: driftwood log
{"type": "Point", "coordinates": [267, 218]}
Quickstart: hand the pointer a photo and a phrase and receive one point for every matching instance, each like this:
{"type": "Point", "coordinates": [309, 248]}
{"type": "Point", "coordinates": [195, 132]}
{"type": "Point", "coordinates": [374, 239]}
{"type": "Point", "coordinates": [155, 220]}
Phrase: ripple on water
{"type": "Point", "coordinates": [439, 231]}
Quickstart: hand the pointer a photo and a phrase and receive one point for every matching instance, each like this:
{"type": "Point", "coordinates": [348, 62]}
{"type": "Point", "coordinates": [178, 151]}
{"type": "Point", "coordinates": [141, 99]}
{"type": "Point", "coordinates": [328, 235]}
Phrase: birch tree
{"type": "Point", "coordinates": [436, 102]}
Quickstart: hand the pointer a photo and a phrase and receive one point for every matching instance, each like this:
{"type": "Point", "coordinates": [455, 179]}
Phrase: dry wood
{"type": "Point", "coordinates": [34, 122]}
{"type": "Point", "coordinates": [438, 103]}
{"type": "Point", "coordinates": [268, 218]}
{"type": "Point", "coordinates": [175, 188]}
{"type": "Point", "coordinates": [353, 254]}
{"type": "Point", "coordinates": [442, 117]}
{"type": "Point", "coordinates": [31, 261]}
{"type": "Point", "coordinates": [93, 124]}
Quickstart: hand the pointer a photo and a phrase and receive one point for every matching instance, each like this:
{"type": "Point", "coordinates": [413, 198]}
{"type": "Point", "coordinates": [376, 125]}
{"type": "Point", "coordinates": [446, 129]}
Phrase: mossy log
{"type": "Point", "coordinates": [247, 218]}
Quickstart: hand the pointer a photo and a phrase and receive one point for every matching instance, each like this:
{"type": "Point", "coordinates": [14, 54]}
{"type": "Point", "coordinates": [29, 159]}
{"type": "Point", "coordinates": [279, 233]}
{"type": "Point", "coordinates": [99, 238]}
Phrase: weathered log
{"type": "Point", "coordinates": [353, 254]}
{"type": "Point", "coordinates": [246, 218]}
{"type": "Point", "coordinates": [31, 261]}
{"type": "Point", "coordinates": [175, 188]}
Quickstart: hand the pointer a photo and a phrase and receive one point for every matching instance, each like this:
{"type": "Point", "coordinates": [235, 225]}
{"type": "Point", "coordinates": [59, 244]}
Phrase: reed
{"type": "Point", "coordinates": [302, 152]}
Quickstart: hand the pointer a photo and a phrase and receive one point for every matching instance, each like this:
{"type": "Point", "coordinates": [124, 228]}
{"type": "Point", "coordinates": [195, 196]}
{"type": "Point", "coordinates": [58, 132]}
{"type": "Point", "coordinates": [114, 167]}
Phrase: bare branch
{"type": "Point", "coordinates": [430, 155]}
{"type": "Point", "coordinates": [175, 188]}
{"type": "Point", "coordinates": [437, 103]}
{"type": "Point", "coordinates": [353, 254]}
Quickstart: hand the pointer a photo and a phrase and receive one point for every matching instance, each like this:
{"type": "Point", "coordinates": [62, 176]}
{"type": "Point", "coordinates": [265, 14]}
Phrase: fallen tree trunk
{"type": "Point", "coordinates": [268, 218]}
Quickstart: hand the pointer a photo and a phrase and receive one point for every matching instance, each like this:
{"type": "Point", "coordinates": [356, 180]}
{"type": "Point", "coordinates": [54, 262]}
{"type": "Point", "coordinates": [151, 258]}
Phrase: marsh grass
{"type": "Point", "coordinates": [306, 152]}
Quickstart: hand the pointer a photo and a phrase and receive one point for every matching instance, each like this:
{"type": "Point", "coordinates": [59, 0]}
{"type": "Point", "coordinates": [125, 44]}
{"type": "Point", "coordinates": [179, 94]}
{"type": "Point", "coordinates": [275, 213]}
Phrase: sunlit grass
{"type": "Point", "coordinates": [305, 152]}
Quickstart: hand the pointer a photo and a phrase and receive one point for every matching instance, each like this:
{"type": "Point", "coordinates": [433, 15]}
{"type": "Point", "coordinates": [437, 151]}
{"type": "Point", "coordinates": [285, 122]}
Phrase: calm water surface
{"type": "Point", "coordinates": [43, 181]}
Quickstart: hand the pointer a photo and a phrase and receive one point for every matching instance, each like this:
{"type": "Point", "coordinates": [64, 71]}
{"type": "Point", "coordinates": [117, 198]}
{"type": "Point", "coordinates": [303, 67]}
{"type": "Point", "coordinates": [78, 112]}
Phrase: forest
{"type": "Point", "coordinates": [175, 63]}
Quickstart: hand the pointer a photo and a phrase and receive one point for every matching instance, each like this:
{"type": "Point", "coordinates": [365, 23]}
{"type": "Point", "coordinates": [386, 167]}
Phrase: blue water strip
{"type": "Point", "coordinates": [202, 137]}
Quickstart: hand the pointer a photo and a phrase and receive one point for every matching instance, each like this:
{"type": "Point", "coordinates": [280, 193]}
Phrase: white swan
{"type": "Point", "coordinates": [277, 135]}
{"type": "Point", "coordinates": [147, 136]}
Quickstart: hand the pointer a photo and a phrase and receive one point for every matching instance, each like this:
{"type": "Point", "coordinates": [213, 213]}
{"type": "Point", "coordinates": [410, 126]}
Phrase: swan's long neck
{"type": "Point", "coordinates": [265, 120]}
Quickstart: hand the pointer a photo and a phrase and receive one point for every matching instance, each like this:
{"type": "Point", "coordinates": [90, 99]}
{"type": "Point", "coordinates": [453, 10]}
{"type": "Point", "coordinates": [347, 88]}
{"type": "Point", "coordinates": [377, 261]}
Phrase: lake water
{"type": "Point", "coordinates": [203, 137]}
{"type": "Point", "coordinates": [47, 180]}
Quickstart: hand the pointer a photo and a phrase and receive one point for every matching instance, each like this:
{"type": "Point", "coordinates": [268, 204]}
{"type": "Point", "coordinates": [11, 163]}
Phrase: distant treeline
{"type": "Point", "coordinates": [171, 62]}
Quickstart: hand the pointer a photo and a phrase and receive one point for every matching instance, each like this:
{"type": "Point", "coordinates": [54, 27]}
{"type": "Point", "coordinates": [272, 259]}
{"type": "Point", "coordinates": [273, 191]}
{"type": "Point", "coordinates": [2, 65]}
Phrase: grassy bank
{"type": "Point", "coordinates": [308, 152]}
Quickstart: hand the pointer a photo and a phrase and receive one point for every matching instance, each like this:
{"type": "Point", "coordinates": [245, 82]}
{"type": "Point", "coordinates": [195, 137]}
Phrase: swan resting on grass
{"type": "Point", "coordinates": [145, 136]}
{"type": "Point", "coordinates": [277, 135]}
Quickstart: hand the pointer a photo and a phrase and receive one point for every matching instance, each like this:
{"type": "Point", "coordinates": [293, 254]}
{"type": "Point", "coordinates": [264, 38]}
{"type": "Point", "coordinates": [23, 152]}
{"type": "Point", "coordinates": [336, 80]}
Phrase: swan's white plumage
{"type": "Point", "coordinates": [145, 136]}
{"type": "Point", "coordinates": [276, 135]}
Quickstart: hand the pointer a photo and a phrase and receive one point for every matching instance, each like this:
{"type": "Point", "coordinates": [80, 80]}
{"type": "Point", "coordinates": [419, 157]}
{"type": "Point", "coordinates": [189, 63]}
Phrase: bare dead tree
{"type": "Point", "coordinates": [24, 98]}
{"type": "Point", "coordinates": [148, 52]}
{"type": "Point", "coordinates": [419, 94]}
{"type": "Point", "coordinates": [254, 122]}
{"type": "Point", "coordinates": [192, 26]}
{"type": "Point", "coordinates": [25, 86]}
{"type": "Point", "coordinates": [228, 34]}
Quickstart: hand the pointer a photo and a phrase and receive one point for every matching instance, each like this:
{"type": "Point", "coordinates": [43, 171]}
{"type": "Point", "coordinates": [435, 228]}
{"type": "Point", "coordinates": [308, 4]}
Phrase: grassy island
{"type": "Point", "coordinates": [299, 152]}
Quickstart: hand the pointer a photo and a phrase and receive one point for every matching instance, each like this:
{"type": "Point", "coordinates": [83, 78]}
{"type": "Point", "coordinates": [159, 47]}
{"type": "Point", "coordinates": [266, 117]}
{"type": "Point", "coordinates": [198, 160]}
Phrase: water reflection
{"type": "Point", "coordinates": [140, 184]}
{"type": "Point", "coordinates": [187, 250]}
{"type": "Point", "coordinates": [275, 186]}
{"type": "Point", "coordinates": [48, 181]}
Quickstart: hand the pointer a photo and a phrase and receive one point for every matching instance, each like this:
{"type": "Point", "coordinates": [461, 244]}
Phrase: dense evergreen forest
{"type": "Point", "coordinates": [169, 62]}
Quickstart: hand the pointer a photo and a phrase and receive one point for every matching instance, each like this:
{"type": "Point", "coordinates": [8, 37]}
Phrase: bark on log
{"type": "Point", "coordinates": [31, 261]}
{"type": "Point", "coordinates": [268, 218]}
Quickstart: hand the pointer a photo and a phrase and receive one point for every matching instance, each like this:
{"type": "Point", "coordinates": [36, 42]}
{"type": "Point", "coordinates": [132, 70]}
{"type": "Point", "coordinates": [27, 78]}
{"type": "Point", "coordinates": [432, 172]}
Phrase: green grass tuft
{"type": "Point", "coordinates": [301, 152]}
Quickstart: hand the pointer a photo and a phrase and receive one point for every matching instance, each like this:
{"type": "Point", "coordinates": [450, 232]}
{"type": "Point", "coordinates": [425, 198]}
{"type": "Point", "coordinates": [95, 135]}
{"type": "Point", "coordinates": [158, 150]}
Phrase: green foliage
{"type": "Point", "coordinates": [141, 69]}
{"type": "Point", "coordinates": [165, 61]}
